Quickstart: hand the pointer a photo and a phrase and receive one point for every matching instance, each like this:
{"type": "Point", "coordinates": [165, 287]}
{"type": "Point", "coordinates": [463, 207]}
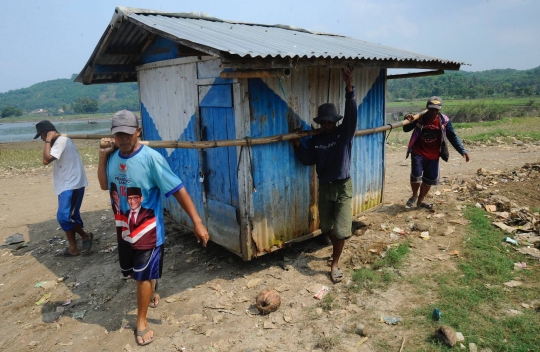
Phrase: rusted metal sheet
{"type": "Point", "coordinates": [367, 171]}
{"type": "Point", "coordinates": [285, 201]}
{"type": "Point", "coordinates": [282, 197]}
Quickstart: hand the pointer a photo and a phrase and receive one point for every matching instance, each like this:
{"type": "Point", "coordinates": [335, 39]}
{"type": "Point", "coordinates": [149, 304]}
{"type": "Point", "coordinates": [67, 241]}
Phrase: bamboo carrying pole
{"type": "Point", "coordinates": [245, 141]}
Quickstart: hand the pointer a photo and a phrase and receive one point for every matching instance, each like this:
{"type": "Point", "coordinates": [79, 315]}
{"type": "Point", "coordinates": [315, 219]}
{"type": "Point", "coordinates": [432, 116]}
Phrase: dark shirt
{"type": "Point", "coordinates": [331, 152]}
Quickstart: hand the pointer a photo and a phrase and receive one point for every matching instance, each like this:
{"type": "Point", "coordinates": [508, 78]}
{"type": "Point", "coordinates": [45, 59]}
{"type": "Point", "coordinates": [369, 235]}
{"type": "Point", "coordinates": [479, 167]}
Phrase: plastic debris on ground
{"type": "Point", "coordinates": [43, 299]}
{"type": "Point", "coordinates": [323, 291]}
{"type": "Point", "coordinates": [510, 240]}
{"type": "Point", "coordinates": [399, 231]}
{"type": "Point", "coordinates": [67, 302]}
{"type": "Point", "coordinates": [125, 325]}
{"type": "Point", "coordinates": [454, 253]}
{"type": "Point", "coordinates": [436, 315]}
{"type": "Point", "coordinates": [425, 235]}
{"type": "Point", "coordinates": [46, 284]}
{"type": "Point", "coordinates": [389, 320]}
{"type": "Point", "coordinates": [108, 249]}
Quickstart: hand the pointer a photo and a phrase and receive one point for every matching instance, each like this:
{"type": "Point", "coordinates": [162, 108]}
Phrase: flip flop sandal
{"type": "Point", "coordinates": [66, 254]}
{"type": "Point", "coordinates": [152, 303]}
{"type": "Point", "coordinates": [329, 261]}
{"type": "Point", "coordinates": [336, 275]}
{"type": "Point", "coordinates": [425, 205]}
{"type": "Point", "coordinates": [141, 334]}
{"type": "Point", "coordinates": [410, 202]}
{"type": "Point", "coordinates": [87, 245]}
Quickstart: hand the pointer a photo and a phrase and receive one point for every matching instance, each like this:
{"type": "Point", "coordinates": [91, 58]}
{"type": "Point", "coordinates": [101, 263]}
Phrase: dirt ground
{"type": "Point", "coordinates": [208, 295]}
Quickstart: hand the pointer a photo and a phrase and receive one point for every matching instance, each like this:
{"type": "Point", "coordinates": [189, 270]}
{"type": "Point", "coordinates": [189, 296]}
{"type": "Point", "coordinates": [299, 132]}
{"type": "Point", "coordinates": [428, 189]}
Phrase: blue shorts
{"type": "Point", "coordinates": [69, 208]}
{"type": "Point", "coordinates": [142, 265]}
{"type": "Point", "coordinates": [426, 171]}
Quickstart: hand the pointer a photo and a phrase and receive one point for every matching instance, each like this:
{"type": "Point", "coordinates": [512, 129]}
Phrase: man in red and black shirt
{"type": "Point", "coordinates": [429, 141]}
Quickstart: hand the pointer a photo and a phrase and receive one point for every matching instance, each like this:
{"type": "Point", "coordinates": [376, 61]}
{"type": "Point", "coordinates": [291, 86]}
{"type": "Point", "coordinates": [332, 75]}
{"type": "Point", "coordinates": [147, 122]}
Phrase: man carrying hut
{"type": "Point", "coordinates": [69, 181]}
{"type": "Point", "coordinates": [429, 141]}
{"type": "Point", "coordinates": [141, 175]}
{"type": "Point", "coordinates": [330, 152]}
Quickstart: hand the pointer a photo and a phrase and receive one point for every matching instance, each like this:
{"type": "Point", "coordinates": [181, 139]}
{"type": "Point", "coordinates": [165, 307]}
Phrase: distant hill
{"type": "Point", "coordinates": [61, 93]}
{"type": "Point", "coordinates": [468, 85]}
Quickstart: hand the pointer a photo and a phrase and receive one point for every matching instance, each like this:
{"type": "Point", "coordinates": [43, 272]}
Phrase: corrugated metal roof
{"type": "Point", "coordinates": [132, 30]}
{"type": "Point", "coordinates": [254, 40]}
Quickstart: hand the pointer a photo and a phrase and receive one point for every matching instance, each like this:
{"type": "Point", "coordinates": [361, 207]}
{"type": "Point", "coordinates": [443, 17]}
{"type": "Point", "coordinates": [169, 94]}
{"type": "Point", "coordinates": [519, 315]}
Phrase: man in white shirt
{"type": "Point", "coordinates": [69, 181]}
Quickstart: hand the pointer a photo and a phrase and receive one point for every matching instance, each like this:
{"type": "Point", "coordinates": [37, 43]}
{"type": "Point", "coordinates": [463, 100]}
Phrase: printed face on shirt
{"type": "Point", "coordinates": [115, 198]}
{"type": "Point", "coordinates": [134, 201]}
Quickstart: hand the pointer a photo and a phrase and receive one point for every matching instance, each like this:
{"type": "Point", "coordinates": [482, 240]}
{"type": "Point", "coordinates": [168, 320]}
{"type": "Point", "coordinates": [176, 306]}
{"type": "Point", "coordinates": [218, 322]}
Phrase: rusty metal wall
{"type": "Point", "coordinates": [285, 200]}
{"type": "Point", "coordinates": [367, 171]}
{"type": "Point", "coordinates": [281, 195]}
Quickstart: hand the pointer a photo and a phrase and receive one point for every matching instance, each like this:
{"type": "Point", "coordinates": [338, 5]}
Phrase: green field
{"type": "Point", "coordinates": [31, 118]}
{"type": "Point", "coordinates": [419, 105]}
{"type": "Point", "coordinates": [506, 130]}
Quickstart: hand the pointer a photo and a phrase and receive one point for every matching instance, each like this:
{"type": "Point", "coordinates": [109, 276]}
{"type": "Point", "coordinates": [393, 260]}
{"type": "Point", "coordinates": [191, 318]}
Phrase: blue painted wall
{"type": "Point", "coordinates": [281, 203]}
{"type": "Point", "coordinates": [184, 162]}
{"type": "Point", "coordinates": [161, 49]}
{"type": "Point", "coordinates": [367, 167]}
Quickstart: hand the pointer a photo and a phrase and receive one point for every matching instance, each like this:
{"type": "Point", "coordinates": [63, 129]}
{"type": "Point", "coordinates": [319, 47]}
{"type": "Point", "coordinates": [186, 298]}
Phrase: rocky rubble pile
{"type": "Point", "coordinates": [519, 221]}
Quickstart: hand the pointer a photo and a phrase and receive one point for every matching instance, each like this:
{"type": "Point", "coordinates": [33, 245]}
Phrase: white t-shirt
{"type": "Point", "coordinates": [68, 169]}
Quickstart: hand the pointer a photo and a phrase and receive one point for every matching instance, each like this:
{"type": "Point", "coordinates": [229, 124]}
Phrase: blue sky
{"type": "Point", "coordinates": [42, 40]}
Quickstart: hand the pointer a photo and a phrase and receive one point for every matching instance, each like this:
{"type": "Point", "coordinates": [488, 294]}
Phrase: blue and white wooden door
{"type": "Point", "coordinates": [220, 165]}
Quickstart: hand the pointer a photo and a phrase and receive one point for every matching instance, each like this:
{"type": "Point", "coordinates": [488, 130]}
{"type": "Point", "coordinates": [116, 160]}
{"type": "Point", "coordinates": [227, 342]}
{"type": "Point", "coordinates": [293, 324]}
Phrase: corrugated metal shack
{"type": "Point", "coordinates": [201, 78]}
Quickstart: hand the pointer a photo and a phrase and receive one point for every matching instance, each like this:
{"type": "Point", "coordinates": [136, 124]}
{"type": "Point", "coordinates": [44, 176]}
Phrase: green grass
{"type": "Point", "coordinates": [504, 130]}
{"type": "Point", "coordinates": [32, 158]}
{"type": "Point", "coordinates": [420, 104]}
{"type": "Point", "coordinates": [382, 272]}
{"type": "Point", "coordinates": [480, 312]}
{"type": "Point", "coordinates": [394, 257]}
{"type": "Point", "coordinates": [328, 302]}
{"type": "Point", "coordinates": [29, 118]}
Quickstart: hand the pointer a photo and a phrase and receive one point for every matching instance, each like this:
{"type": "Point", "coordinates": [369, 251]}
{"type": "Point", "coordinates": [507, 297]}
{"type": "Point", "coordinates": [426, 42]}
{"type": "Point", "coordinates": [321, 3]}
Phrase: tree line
{"type": "Point", "coordinates": [63, 96]}
{"type": "Point", "coordinates": [468, 85]}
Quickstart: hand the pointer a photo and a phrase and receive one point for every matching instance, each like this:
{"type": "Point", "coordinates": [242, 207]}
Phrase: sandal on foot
{"type": "Point", "coordinates": [329, 261]}
{"type": "Point", "coordinates": [425, 205]}
{"type": "Point", "coordinates": [154, 301]}
{"type": "Point", "coordinates": [336, 275]}
{"type": "Point", "coordinates": [410, 202]}
{"type": "Point", "coordinates": [87, 245]}
{"type": "Point", "coordinates": [141, 335]}
{"type": "Point", "coordinates": [66, 254]}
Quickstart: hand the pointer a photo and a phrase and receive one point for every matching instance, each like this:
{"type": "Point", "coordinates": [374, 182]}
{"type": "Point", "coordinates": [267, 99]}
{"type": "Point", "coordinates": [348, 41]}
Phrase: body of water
{"type": "Point", "coordinates": [25, 131]}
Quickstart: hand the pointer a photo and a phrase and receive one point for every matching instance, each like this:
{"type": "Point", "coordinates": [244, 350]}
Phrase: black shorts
{"type": "Point", "coordinates": [142, 265]}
